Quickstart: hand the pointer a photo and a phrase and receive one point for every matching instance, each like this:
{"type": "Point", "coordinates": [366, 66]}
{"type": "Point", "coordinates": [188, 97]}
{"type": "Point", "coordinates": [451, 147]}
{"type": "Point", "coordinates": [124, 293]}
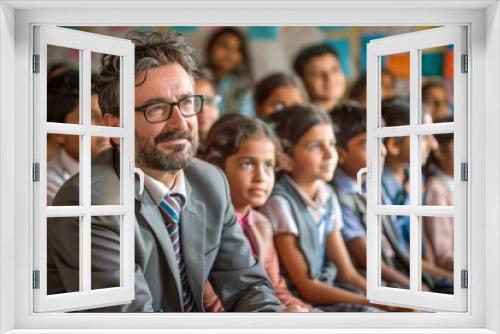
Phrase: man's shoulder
{"type": "Point", "coordinates": [203, 171]}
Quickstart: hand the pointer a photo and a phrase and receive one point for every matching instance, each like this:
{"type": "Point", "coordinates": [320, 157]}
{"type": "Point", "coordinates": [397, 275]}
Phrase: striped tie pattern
{"type": "Point", "coordinates": [170, 208]}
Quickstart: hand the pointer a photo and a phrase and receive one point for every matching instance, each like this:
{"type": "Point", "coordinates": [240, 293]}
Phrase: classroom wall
{"type": "Point", "coordinates": [273, 48]}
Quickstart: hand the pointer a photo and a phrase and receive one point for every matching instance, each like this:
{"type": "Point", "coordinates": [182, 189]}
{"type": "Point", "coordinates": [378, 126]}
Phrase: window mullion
{"type": "Point", "coordinates": [85, 172]}
{"type": "Point", "coordinates": [415, 242]}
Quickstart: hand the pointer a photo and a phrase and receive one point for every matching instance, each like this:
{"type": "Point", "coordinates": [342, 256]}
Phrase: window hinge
{"type": "Point", "coordinates": [36, 63]}
{"type": "Point", "coordinates": [464, 171]}
{"type": "Point", "coordinates": [464, 279]}
{"type": "Point", "coordinates": [465, 66]}
{"type": "Point", "coordinates": [36, 172]}
{"type": "Point", "coordinates": [36, 279]}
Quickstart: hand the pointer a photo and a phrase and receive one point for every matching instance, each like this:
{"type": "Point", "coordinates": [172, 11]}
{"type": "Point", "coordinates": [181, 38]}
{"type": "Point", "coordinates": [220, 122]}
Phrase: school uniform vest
{"type": "Point", "coordinates": [308, 234]}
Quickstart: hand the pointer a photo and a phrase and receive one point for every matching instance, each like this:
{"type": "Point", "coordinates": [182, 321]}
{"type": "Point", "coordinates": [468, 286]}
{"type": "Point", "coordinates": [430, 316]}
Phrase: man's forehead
{"type": "Point", "coordinates": [168, 79]}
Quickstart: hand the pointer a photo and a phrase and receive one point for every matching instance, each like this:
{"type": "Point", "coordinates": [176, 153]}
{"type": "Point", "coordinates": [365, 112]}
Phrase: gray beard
{"type": "Point", "coordinates": [149, 156]}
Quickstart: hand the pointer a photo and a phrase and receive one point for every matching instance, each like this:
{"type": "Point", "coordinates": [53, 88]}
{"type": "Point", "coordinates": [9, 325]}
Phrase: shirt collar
{"type": "Point", "coordinates": [391, 186]}
{"type": "Point", "coordinates": [344, 182]}
{"type": "Point", "coordinates": [158, 190]}
{"type": "Point", "coordinates": [68, 163]}
{"type": "Point", "coordinates": [324, 192]}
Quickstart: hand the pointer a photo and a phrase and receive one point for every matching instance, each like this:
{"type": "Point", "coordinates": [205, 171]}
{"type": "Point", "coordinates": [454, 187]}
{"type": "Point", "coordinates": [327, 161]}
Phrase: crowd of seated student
{"type": "Point", "coordinates": [277, 98]}
{"type": "Point", "coordinates": [290, 148]}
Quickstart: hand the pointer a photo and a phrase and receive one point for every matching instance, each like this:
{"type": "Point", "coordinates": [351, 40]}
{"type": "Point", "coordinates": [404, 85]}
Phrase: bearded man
{"type": "Point", "coordinates": [185, 231]}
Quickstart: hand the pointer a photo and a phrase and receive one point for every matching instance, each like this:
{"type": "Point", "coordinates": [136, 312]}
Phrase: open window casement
{"type": "Point", "coordinates": [415, 46]}
{"type": "Point", "coordinates": [85, 215]}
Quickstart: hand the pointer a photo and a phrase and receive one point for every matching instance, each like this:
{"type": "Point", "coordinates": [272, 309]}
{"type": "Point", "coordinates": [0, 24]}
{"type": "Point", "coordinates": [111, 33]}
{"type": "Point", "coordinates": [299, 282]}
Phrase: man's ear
{"type": "Point", "coordinates": [286, 162]}
{"type": "Point", "coordinates": [111, 120]}
{"type": "Point", "coordinates": [393, 146]}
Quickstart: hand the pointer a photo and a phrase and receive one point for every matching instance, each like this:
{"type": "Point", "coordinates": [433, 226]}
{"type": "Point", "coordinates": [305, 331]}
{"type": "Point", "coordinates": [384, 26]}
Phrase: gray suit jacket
{"type": "Point", "coordinates": [213, 244]}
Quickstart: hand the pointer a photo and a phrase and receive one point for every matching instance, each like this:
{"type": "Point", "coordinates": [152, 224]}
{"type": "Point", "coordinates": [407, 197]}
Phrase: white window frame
{"type": "Point", "coordinates": [85, 43]}
{"type": "Point", "coordinates": [413, 43]}
{"type": "Point", "coordinates": [16, 21]}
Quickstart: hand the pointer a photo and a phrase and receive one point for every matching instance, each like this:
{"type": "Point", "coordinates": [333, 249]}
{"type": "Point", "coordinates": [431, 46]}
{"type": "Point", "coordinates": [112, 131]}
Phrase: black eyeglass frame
{"type": "Point", "coordinates": [172, 105]}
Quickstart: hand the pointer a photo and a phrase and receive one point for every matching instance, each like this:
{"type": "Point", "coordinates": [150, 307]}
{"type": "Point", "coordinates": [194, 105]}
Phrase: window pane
{"type": "Point", "coordinates": [105, 261]}
{"type": "Point", "coordinates": [437, 152]}
{"type": "Point", "coordinates": [61, 166]}
{"type": "Point", "coordinates": [437, 251]}
{"type": "Point", "coordinates": [63, 84]}
{"type": "Point", "coordinates": [394, 82]}
{"type": "Point", "coordinates": [106, 193]}
{"type": "Point", "coordinates": [437, 84]}
{"type": "Point", "coordinates": [393, 253]}
{"type": "Point", "coordinates": [63, 254]}
{"type": "Point", "coordinates": [395, 174]}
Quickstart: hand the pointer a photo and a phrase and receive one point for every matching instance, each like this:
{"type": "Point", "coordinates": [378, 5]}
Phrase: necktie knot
{"type": "Point", "coordinates": [171, 205]}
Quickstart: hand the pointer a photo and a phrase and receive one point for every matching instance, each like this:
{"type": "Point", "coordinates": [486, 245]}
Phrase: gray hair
{"type": "Point", "coordinates": [152, 50]}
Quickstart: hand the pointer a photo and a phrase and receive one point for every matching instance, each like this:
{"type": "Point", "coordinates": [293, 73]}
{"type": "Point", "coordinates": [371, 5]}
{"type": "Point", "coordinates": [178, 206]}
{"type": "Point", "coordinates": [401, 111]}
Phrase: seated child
{"type": "Point", "coordinates": [276, 91]}
{"type": "Point", "coordinates": [204, 85]}
{"type": "Point", "coordinates": [439, 192]}
{"type": "Point", "coordinates": [306, 215]}
{"type": "Point", "coordinates": [395, 177]}
{"type": "Point", "coordinates": [349, 122]}
{"type": "Point", "coordinates": [246, 151]}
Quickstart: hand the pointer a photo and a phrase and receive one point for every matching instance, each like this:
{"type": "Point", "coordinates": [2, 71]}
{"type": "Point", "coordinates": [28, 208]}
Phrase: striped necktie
{"type": "Point", "coordinates": [170, 208]}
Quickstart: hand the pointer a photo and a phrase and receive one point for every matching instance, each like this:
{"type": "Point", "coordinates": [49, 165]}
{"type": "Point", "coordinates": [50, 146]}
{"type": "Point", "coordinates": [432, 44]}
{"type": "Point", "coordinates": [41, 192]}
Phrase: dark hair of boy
{"type": "Point", "coordinates": [229, 132]}
{"type": "Point", "coordinates": [292, 122]}
{"type": "Point", "coordinates": [306, 54]}
{"type": "Point", "coordinates": [62, 95]}
{"type": "Point", "coordinates": [349, 120]}
{"type": "Point", "coordinates": [396, 111]}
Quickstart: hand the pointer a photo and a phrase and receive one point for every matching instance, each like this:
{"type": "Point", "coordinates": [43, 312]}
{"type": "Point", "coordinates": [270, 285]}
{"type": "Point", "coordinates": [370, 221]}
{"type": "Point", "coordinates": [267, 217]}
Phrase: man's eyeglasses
{"type": "Point", "coordinates": [157, 112]}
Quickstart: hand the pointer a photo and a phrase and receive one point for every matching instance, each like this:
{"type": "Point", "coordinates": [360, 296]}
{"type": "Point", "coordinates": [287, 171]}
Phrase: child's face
{"type": "Point", "coordinates": [314, 156]}
{"type": "Point", "coordinates": [250, 173]}
{"type": "Point", "coordinates": [398, 149]}
{"type": "Point", "coordinates": [226, 53]}
{"type": "Point", "coordinates": [437, 102]}
{"type": "Point", "coordinates": [353, 158]}
{"type": "Point", "coordinates": [209, 113]}
{"type": "Point", "coordinates": [283, 96]}
{"type": "Point", "coordinates": [324, 78]}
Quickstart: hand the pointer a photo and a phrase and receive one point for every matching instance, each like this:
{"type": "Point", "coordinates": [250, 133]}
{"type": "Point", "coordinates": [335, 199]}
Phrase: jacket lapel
{"type": "Point", "coordinates": [193, 243]}
{"type": "Point", "coordinates": [149, 210]}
